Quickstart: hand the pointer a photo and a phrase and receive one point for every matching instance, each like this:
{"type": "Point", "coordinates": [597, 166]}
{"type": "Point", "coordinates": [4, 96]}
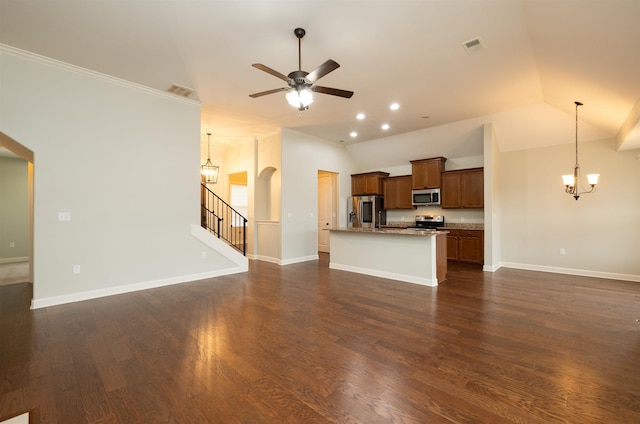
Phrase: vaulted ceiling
{"type": "Point", "coordinates": [535, 58]}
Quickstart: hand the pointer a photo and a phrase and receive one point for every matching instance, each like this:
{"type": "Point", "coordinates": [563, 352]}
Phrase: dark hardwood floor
{"type": "Point", "coordinates": [305, 344]}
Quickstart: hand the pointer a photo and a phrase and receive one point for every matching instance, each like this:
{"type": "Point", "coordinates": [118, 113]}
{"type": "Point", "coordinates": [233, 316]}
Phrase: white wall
{"type": "Point", "coordinates": [456, 140]}
{"type": "Point", "coordinates": [270, 159]}
{"type": "Point", "coordinates": [124, 161]}
{"type": "Point", "coordinates": [268, 199]}
{"type": "Point", "coordinates": [492, 195]}
{"type": "Point", "coordinates": [600, 232]}
{"type": "Point", "coordinates": [302, 157]}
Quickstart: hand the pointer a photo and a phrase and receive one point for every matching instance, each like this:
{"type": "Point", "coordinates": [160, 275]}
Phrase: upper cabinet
{"type": "Point", "coordinates": [463, 188]}
{"type": "Point", "coordinates": [368, 183]}
{"type": "Point", "coordinates": [397, 192]}
{"type": "Point", "coordinates": [426, 173]}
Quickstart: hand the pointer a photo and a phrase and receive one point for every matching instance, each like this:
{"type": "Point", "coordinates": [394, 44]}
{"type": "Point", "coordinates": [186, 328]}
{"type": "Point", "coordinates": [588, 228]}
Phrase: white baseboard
{"type": "Point", "coordinates": [111, 291]}
{"type": "Point", "coordinates": [571, 271]}
{"type": "Point", "coordinates": [20, 419]}
{"type": "Point", "coordinates": [491, 268]}
{"type": "Point", "coordinates": [268, 259]}
{"type": "Point", "coordinates": [14, 260]}
{"type": "Point", "coordinates": [389, 275]}
{"type": "Point", "coordinates": [300, 259]}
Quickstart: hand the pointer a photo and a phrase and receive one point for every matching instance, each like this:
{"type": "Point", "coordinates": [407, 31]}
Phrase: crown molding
{"type": "Point", "coordinates": [93, 74]}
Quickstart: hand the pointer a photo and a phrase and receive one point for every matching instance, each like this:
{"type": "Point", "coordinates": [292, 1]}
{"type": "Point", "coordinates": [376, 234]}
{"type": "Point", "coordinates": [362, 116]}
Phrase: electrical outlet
{"type": "Point", "coordinates": [64, 216]}
{"type": "Point", "coordinates": [76, 269]}
{"type": "Point", "coordinates": [12, 244]}
{"type": "Point", "coordinates": [204, 254]}
{"type": "Point", "coordinates": [562, 252]}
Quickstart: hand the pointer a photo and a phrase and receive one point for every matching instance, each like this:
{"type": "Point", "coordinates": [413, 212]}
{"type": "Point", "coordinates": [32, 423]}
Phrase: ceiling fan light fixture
{"type": "Point", "coordinates": [300, 83]}
{"type": "Point", "coordinates": [300, 99]}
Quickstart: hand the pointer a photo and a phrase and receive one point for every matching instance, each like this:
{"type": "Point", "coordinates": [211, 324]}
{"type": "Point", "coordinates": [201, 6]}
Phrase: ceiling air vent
{"type": "Point", "coordinates": [473, 45]}
{"type": "Point", "coordinates": [180, 90]}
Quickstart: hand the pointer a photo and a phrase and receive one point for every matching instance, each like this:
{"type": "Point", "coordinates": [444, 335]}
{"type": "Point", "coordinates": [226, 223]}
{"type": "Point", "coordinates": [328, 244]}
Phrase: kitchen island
{"type": "Point", "coordinates": [414, 256]}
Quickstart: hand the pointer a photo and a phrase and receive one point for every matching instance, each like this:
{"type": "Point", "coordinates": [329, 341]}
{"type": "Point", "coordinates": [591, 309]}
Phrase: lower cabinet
{"type": "Point", "coordinates": [466, 246]}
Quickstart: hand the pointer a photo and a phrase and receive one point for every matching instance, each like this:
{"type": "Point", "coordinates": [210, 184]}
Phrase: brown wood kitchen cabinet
{"type": "Point", "coordinates": [463, 188]}
{"type": "Point", "coordinates": [368, 183]}
{"type": "Point", "coordinates": [397, 192]}
{"type": "Point", "coordinates": [426, 172]}
{"type": "Point", "coordinates": [466, 246]}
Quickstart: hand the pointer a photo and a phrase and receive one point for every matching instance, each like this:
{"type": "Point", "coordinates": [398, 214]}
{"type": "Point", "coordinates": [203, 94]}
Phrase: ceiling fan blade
{"type": "Point", "coordinates": [271, 71]}
{"type": "Point", "coordinates": [332, 91]}
{"type": "Point", "coordinates": [264, 93]}
{"type": "Point", "coordinates": [322, 70]}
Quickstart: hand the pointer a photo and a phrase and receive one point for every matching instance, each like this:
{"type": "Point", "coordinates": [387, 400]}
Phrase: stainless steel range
{"type": "Point", "coordinates": [429, 222]}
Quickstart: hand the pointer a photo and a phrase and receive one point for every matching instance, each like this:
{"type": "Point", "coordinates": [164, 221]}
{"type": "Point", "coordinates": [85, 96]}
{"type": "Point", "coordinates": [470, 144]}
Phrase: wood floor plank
{"type": "Point", "coordinates": [305, 343]}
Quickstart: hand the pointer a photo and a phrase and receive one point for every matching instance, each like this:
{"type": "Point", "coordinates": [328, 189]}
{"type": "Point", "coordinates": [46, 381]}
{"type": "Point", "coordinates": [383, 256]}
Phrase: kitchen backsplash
{"type": "Point", "coordinates": [466, 216]}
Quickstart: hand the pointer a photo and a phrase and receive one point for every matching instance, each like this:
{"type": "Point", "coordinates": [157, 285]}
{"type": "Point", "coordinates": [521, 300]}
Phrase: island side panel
{"type": "Point", "coordinates": [441, 257]}
{"type": "Point", "coordinates": [394, 256]}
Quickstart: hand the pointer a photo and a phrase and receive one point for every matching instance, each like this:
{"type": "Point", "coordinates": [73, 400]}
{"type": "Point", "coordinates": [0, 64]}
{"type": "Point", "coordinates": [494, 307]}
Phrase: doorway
{"type": "Point", "coordinates": [16, 254]}
{"type": "Point", "coordinates": [327, 207]}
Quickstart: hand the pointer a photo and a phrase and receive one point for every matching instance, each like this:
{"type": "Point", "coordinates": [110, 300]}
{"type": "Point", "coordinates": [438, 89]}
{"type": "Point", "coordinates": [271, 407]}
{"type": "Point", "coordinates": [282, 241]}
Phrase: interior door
{"type": "Point", "coordinates": [325, 209]}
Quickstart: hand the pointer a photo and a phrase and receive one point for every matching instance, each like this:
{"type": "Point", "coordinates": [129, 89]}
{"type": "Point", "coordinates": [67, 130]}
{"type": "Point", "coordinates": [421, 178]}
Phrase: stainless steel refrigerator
{"type": "Point", "coordinates": [366, 212]}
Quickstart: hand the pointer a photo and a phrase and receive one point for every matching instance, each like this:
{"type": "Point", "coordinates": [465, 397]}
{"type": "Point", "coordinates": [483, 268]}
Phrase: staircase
{"type": "Point", "coordinates": [222, 220]}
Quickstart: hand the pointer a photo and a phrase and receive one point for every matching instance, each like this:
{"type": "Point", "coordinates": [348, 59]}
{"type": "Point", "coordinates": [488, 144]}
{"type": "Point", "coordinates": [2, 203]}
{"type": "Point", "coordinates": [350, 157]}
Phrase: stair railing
{"type": "Point", "coordinates": [222, 220]}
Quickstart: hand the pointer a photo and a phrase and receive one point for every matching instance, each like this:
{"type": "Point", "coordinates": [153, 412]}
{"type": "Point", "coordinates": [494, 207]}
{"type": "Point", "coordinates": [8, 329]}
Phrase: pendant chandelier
{"type": "Point", "coordinates": [571, 182]}
{"type": "Point", "coordinates": [209, 170]}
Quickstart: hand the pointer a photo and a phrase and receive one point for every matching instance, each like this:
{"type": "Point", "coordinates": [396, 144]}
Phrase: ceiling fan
{"type": "Point", "coordinates": [300, 83]}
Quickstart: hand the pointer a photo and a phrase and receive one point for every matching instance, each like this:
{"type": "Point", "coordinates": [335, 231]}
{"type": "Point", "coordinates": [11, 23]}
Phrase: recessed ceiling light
{"type": "Point", "coordinates": [360, 116]}
{"type": "Point", "coordinates": [394, 106]}
{"type": "Point", "coordinates": [385, 126]}
{"type": "Point", "coordinates": [353, 134]}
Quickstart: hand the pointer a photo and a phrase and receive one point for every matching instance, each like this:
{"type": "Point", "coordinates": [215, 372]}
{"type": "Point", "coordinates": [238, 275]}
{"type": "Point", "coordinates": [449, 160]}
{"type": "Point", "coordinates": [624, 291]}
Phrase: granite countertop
{"type": "Point", "coordinates": [398, 224]}
{"type": "Point", "coordinates": [393, 231]}
{"type": "Point", "coordinates": [463, 226]}
{"type": "Point", "coordinates": [448, 225]}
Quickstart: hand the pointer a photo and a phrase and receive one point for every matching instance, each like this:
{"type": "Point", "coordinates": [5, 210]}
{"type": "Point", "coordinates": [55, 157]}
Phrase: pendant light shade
{"type": "Point", "coordinates": [209, 170]}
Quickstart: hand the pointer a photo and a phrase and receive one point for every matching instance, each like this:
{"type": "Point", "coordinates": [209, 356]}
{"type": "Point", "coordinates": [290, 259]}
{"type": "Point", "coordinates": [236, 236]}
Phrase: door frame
{"type": "Point", "coordinates": [333, 199]}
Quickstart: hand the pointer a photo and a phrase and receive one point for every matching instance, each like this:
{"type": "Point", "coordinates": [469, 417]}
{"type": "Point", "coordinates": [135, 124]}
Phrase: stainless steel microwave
{"type": "Point", "coordinates": [426, 197]}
